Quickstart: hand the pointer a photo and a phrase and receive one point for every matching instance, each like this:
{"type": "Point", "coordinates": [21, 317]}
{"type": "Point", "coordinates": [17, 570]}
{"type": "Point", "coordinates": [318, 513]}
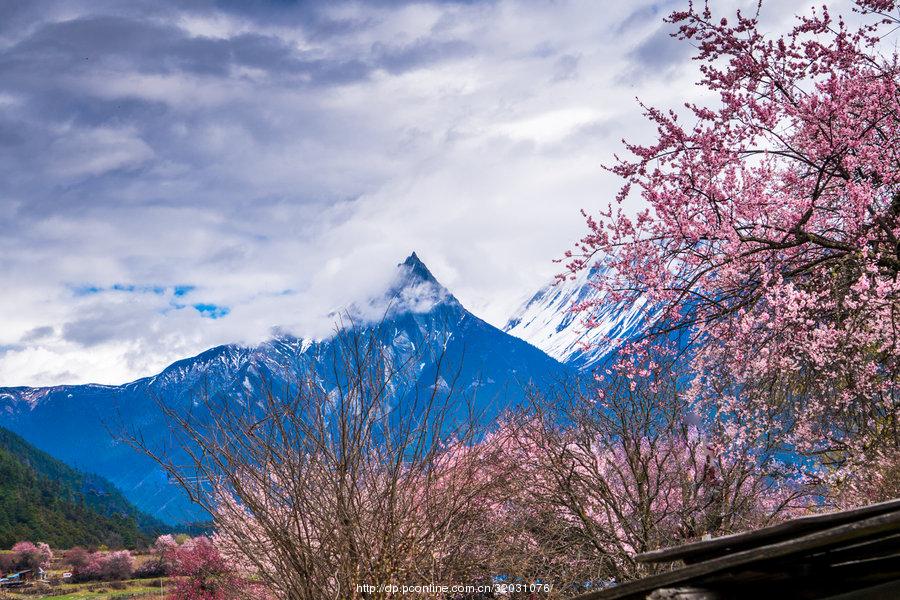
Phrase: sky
{"type": "Point", "coordinates": [180, 174]}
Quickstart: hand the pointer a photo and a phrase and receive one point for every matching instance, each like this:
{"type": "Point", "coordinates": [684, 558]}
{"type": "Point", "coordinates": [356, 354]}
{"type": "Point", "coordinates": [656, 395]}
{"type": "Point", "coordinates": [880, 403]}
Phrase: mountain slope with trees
{"type": "Point", "coordinates": [45, 500]}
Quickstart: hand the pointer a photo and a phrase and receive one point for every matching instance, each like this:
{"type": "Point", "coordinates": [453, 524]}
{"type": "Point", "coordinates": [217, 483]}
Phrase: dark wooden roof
{"type": "Point", "coordinates": [697, 551]}
{"type": "Point", "coordinates": [821, 556]}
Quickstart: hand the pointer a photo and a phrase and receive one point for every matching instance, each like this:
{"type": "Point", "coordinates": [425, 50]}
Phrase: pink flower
{"type": "Point", "coordinates": [770, 229]}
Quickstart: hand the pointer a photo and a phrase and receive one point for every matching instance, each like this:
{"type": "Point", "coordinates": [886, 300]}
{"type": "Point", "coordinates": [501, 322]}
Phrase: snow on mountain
{"type": "Point", "coordinates": [548, 322]}
{"type": "Point", "coordinates": [416, 316]}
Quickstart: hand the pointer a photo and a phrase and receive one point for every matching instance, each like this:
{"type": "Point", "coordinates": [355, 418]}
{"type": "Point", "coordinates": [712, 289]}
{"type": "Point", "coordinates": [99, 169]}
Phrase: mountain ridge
{"type": "Point", "coordinates": [548, 322]}
{"type": "Point", "coordinates": [416, 314]}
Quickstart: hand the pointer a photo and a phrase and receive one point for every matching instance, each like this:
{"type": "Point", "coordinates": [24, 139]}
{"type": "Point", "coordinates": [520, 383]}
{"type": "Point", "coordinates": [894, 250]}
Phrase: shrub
{"type": "Point", "coordinates": [77, 558]}
{"type": "Point", "coordinates": [96, 566]}
{"type": "Point", "coordinates": [117, 565]}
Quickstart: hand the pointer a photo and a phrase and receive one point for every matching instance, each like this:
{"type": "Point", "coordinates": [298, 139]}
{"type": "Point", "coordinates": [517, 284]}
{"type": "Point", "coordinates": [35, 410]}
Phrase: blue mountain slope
{"type": "Point", "coordinates": [416, 317]}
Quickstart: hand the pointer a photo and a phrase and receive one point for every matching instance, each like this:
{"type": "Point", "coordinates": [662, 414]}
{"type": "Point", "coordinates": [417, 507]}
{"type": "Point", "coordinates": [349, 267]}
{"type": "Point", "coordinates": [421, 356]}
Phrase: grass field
{"type": "Point", "coordinates": [143, 589]}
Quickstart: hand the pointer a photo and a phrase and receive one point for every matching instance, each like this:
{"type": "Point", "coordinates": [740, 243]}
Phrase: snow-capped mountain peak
{"type": "Point", "coordinates": [416, 268]}
{"type": "Point", "coordinates": [414, 289]}
{"type": "Point", "coordinates": [416, 319]}
{"type": "Point", "coordinates": [548, 321]}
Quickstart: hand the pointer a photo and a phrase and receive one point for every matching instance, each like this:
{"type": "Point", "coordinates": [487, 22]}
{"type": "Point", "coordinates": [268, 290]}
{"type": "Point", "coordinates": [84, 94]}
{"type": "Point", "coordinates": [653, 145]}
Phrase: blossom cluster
{"type": "Point", "coordinates": [770, 233]}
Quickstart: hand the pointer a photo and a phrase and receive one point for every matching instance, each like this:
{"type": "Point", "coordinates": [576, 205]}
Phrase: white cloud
{"type": "Point", "coordinates": [283, 163]}
{"type": "Point", "coordinates": [97, 151]}
{"type": "Point", "coordinates": [551, 126]}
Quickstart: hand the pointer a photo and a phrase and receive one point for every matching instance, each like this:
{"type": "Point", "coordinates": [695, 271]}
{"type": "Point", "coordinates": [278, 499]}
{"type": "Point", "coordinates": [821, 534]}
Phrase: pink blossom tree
{"type": "Point", "coordinates": [203, 573]}
{"type": "Point", "coordinates": [162, 558]}
{"type": "Point", "coordinates": [94, 566]}
{"type": "Point", "coordinates": [607, 472]}
{"type": "Point", "coordinates": [27, 555]}
{"type": "Point", "coordinates": [770, 232]}
{"type": "Point", "coordinates": [116, 566]}
{"type": "Point", "coordinates": [77, 558]}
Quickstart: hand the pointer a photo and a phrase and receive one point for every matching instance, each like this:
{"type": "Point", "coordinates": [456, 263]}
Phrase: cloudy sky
{"type": "Point", "coordinates": [178, 174]}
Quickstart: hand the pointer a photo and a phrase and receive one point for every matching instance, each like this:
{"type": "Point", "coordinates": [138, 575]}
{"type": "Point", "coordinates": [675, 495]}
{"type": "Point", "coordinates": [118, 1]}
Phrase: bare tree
{"type": "Point", "coordinates": [355, 478]}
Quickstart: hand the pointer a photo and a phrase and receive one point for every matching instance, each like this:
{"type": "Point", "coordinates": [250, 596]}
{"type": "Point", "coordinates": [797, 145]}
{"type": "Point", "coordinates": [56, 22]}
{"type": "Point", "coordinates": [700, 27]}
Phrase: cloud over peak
{"type": "Point", "coordinates": [273, 159]}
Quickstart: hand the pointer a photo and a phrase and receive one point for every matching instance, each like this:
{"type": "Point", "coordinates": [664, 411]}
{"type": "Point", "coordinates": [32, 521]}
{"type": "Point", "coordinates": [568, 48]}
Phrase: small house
{"type": "Point", "coordinates": [17, 579]}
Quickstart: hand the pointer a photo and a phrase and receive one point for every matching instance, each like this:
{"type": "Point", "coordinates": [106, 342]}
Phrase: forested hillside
{"type": "Point", "coordinates": [43, 499]}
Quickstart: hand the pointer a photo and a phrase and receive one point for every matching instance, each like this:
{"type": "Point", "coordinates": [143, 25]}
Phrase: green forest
{"type": "Point", "coordinates": [43, 499]}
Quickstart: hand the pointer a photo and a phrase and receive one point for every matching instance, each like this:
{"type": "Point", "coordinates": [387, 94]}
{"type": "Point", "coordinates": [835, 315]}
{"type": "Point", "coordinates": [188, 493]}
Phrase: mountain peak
{"type": "Point", "coordinates": [416, 288]}
{"type": "Point", "coordinates": [411, 289]}
{"type": "Point", "coordinates": [417, 269]}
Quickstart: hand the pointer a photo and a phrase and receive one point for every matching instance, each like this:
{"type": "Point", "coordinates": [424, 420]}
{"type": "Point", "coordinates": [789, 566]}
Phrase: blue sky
{"type": "Point", "coordinates": [179, 174]}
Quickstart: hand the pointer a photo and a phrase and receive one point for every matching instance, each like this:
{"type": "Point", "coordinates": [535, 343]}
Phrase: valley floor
{"type": "Point", "coordinates": [133, 589]}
